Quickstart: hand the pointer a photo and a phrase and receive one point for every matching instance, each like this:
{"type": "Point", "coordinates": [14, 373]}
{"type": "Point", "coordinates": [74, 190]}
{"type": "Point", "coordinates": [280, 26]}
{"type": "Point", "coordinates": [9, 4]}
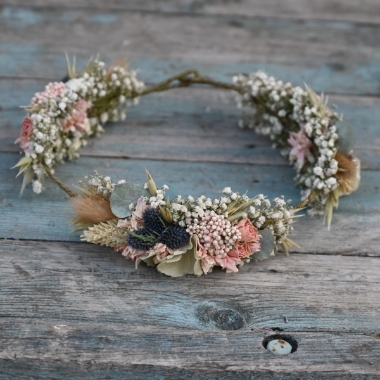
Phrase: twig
{"type": "Point", "coordinates": [56, 180]}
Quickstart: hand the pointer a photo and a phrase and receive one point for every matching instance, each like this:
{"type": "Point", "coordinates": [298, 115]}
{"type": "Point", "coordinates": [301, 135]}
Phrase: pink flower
{"type": "Point", "coordinates": [301, 145]}
{"type": "Point", "coordinates": [243, 250]}
{"type": "Point", "coordinates": [78, 117]}
{"type": "Point", "coordinates": [248, 231]}
{"type": "Point", "coordinates": [124, 223]}
{"type": "Point", "coordinates": [25, 134]}
{"type": "Point", "coordinates": [249, 242]}
{"type": "Point", "coordinates": [228, 263]}
{"type": "Point", "coordinates": [137, 215]}
{"type": "Point", "coordinates": [132, 253]}
{"type": "Point", "coordinates": [52, 90]}
{"type": "Point", "coordinates": [161, 252]}
{"type": "Point", "coordinates": [207, 261]}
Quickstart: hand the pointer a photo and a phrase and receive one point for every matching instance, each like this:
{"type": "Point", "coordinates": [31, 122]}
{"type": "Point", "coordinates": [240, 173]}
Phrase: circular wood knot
{"type": "Point", "coordinates": [224, 317]}
{"type": "Point", "coordinates": [228, 319]}
{"type": "Point", "coordinates": [280, 344]}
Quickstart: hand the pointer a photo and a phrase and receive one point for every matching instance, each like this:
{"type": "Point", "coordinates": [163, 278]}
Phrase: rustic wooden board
{"type": "Point", "coordinates": [355, 223]}
{"type": "Point", "coordinates": [75, 302]}
{"type": "Point", "coordinates": [71, 310]}
{"type": "Point", "coordinates": [309, 51]}
{"type": "Point", "coordinates": [195, 124]}
{"type": "Point", "coordinates": [368, 11]}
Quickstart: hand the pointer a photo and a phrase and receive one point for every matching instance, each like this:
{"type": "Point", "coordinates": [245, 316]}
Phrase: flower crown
{"type": "Point", "coordinates": [185, 235]}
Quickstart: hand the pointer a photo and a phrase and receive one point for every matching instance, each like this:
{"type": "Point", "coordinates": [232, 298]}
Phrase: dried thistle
{"type": "Point", "coordinates": [106, 233]}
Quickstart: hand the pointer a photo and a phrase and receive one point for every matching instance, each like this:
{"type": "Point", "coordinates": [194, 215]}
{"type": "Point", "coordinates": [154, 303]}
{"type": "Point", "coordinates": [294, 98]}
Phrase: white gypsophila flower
{"type": "Point", "coordinates": [266, 99]}
{"type": "Point", "coordinates": [38, 148]}
{"type": "Point", "coordinates": [37, 187]}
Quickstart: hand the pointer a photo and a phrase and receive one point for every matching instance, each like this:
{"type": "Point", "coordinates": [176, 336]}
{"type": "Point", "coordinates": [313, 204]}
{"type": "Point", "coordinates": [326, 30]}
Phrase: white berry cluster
{"type": "Point", "coordinates": [300, 124]}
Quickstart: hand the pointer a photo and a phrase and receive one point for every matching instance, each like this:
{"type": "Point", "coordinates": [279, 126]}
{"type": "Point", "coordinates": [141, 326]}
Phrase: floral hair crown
{"type": "Point", "coordinates": [185, 235]}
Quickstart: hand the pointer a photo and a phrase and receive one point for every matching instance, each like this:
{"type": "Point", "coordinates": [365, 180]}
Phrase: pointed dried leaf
{"type": "Point", "coordinates": [28, 176]}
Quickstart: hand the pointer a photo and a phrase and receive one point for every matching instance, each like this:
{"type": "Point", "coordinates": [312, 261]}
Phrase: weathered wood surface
{"type": "Point", "coordinates": [75, 303]}
{"type": "Point", "coordinates": [368, 11]}
{"type": "Point", "coordinates": [72, 310]}
{"type": "Point", "coordinates": [309, 51]}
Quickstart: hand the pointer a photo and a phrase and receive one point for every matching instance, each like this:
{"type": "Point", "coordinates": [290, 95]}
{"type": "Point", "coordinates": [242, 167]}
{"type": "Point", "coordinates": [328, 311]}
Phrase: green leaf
{"type": "Point", "coordinates": [123, 195]}
{"type": "Point", "coordinates": [347, 136]}
{"type": "Point", "coordinates": [266, 245]}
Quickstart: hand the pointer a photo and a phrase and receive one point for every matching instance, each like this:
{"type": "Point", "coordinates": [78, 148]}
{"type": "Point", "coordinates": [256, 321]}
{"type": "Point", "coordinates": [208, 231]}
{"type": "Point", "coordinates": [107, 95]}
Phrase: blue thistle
{"type": "Point", "coordinates": [174, 237]}
{"type": "Point", "coordinates": [142, 240]}
{"type": "Point", "coordinates": [153, 221]}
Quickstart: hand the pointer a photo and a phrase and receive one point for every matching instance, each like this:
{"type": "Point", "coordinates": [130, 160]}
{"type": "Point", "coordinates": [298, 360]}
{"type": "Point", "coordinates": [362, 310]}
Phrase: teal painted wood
{"type": "Point", "coordinates": [191, 125]}
{"type": "Point", "coordinates": [78, 311]}
{"type": "Point", "coordinates": [313, 52]}
{"type": "Point", "coordinates": [46, 216]}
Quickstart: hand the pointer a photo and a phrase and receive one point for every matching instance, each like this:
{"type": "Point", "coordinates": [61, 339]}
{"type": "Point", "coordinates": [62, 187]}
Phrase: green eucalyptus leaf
{"type": "Point", "coordinates": [266, 245]}
{"type": "Point", "coordinates": [123, 195]}
{"type": "Point", "coordinates": [346, 139]}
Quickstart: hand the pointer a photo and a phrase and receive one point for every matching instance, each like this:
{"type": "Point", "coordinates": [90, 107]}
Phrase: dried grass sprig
{"type": "Point", "coordinates": [106, 233]}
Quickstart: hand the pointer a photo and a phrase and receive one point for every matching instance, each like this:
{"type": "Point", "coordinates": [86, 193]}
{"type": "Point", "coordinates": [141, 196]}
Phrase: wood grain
{"type": "Point", "coordinates": [368, 11]}
{"type": "Point", "coordinates": [354, 228]}
{"type": "Point", "coordinates": [71, 310]}
{"type": "Point", "coordinates": [195, 124]}
{"type": "Point", "coordinates": [75, 302]}
{"type": "Point", "coordinates": [309, 51]}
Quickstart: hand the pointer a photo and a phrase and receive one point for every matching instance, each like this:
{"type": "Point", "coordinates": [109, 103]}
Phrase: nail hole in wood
{"type": "Point", "coordinates": [280, 344]}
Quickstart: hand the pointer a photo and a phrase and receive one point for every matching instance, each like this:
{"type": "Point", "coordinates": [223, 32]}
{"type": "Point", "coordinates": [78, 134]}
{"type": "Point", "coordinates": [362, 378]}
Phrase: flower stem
{"type": "Point", "coordinates": [185, 79]}
{"type": "Point", "coordinates": [56, 180]}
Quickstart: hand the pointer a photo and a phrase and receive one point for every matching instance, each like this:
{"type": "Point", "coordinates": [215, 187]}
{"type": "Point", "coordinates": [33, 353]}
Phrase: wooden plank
{"type": "Point", "coordinates": [193, 125]}
{"type": "Point", "coordinates": [68, 302]}
{"type": "Point", "coordinates": [368, 11]}
{"type": "Point", "coordinates": [355, 225]}
{"type": "Point", "coordinates": [300, 51]}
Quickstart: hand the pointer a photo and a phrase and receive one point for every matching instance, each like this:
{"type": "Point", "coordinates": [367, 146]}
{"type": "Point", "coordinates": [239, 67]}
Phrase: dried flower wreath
{"type": "Point", "coordinates": [186, 235]}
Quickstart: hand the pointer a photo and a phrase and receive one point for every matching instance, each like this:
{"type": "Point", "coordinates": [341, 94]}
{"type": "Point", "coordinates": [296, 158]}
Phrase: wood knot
{"type": "Point", "coordinates": [225, 318]}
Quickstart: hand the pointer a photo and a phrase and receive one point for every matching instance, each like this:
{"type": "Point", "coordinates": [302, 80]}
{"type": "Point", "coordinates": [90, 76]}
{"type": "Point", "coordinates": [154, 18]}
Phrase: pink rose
{"type": "Point", "coordinates": [243, 250]}
{"type": "Point", "coordinates": [248, 231]}
{"type": "Point", "coordinates": [25, 134]}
